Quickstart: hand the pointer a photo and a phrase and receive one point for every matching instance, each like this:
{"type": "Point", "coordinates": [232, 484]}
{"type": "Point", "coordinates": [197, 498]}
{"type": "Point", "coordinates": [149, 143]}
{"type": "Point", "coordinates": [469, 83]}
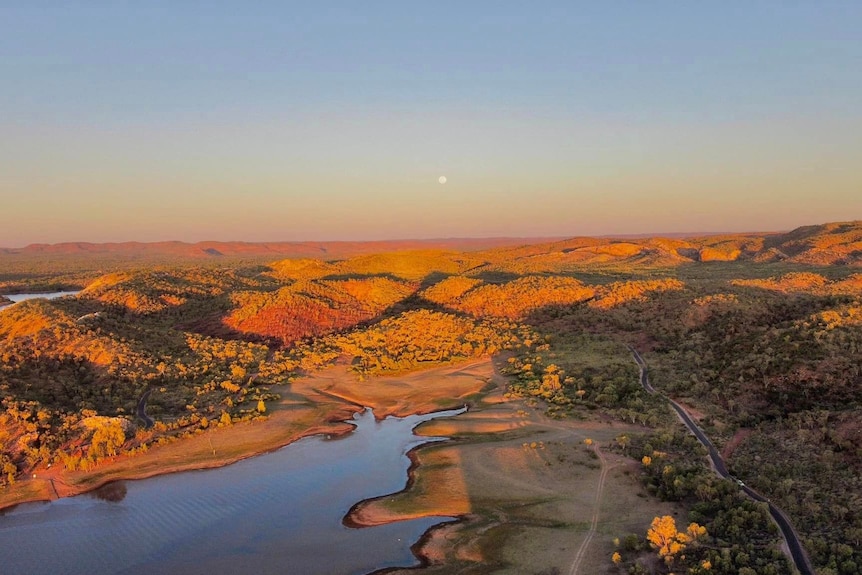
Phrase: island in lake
{"type": "Point", "coordinates": [570, 456]}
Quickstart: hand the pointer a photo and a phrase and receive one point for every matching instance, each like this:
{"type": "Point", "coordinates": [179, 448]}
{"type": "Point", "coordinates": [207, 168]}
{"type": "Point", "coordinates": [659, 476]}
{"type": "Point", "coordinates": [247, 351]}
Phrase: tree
{"type": "Point", "coordinates": [225, 419]}
{"type": "Point", "coordinates": [623, 441]}
{"type": "Point", "coordinates": [669, 542]}
{"type": "Point", "coordinates": [107, 439]}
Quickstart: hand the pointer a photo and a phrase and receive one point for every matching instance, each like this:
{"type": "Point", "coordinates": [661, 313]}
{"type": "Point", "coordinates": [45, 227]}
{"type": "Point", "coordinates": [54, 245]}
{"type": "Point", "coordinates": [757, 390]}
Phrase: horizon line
{"type": "Point", "coordinates": [688, 234]}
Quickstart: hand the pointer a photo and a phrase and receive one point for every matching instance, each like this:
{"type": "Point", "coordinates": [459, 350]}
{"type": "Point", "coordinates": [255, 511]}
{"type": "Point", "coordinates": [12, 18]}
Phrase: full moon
{"type": "Point", "coordinates": [442, 179]}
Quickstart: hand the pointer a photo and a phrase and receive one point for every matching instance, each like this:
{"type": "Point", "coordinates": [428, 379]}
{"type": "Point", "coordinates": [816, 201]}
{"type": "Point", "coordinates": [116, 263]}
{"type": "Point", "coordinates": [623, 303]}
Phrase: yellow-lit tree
{"type": "Point", "coordinates": [670, 542]}
{"type": "Point", "coordinates": [107, 439]}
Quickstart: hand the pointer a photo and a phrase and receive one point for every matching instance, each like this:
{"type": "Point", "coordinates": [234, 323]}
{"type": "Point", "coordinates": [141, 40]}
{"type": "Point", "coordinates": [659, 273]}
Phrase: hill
{"type": "Point", "coordinates": [53, 267]}
{"type": "Point", "coordinates": [758, 334]}
{"type": "Point", "coordinates": [827, 244]}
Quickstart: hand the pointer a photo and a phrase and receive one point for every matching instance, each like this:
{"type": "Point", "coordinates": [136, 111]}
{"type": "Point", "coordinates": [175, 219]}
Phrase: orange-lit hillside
{"type": "Point", "coordinates": [582, 253]}
{"type": "Point", "coordinates": [510, 300]}
{"type": "Point", "coordinates": [63, 362]}
{"type": "Point", "coordinates": [156, 291]}
{"type": "Point", "coordinates": [515, 299]}
{"type": "Point", "coordinates": [806, 282]}
{"type": "Point", "coordinates": [301, 269]}
{"type": "Point", "coordinates": [311, 308]}
{"type": "Point", "coordinates": [826, 244]}
{"type": "Point", "coordinates": [422, 336]}
{"type": "Point", "coordinates": [622, 292]}
{"type": "Point", "coordinates": [37, 326]}
{"type": "Point", "coordinates": [409, 265]}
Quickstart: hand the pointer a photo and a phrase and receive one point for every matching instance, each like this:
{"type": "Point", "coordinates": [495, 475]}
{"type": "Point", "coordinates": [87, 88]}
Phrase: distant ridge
{"type": "Point", "coordinates": [836, 243]}
{"type": "Point", "coordinates": [215, 249]}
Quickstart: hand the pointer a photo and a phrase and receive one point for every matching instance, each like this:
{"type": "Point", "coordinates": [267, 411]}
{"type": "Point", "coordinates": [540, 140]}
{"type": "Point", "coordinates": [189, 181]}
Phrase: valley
{"type": "Point", "coordinates": [563, 459]}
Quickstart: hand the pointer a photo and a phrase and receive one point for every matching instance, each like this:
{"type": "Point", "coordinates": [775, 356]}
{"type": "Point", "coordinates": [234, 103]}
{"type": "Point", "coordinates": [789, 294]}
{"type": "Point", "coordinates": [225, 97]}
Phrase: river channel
{"type": "Point", "coordinates": [276, 513]}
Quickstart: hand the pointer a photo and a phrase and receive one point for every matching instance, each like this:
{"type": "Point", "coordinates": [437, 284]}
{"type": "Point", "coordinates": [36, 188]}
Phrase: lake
{"type": "Point", "coordinates": [276, 513]}
{"type": "Point", "coordinates": [16, 297]}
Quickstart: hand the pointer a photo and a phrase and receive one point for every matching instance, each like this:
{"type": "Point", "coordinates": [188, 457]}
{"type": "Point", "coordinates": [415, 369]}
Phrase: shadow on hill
{"type": "Point", "coordinates": [214, 326]}
{"type": "Point", "coordinates": [362, 276]}
{"type": "Point", "coordinates": [159, 335]}
{"type": "Point", "coordinates": [496, 277]}
{"type": "Point", "coordinates": [78, 307]}
{"type": "Point", "coordinates": [206, 317]}
{"type": "Point", "coordinates": [433, 278]}
{"type": "Point", "coordinates": [213, 323]}
{"type": "Point", "coordinates": [427, 281]}
{"type": "Point", "coordinates": [68, 384]}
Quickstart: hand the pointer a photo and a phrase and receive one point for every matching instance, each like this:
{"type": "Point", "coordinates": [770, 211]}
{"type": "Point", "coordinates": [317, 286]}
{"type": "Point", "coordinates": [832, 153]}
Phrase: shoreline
{"type": "Point", "coordinates": [353, 518]}
{"type": "Point", "coordinates": [507, 477]}
{"type": "Point", "coordinates": [51, 484]}
{"type": "Point", "coordinates": [421, 548]}
{"type": "Point", "coordinates": [519, 487]}
{"type": "Point", "coordinates": [306, 409]}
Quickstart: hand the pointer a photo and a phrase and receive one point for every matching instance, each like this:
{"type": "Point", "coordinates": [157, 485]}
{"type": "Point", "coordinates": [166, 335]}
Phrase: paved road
{"type": "Point", "coordinates": [142, 409]}
{"type": "Point", "coordinates": [797, 552]}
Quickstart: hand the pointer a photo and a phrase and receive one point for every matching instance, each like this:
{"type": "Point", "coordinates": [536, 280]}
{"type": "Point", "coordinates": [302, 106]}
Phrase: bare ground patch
{"type": "Point", "coordinates": [526, 485]}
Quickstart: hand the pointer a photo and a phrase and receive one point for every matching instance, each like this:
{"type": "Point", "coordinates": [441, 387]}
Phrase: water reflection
{"type": "Point", "coordinates": [16, 297]}
{"type": "Point", "coordinates": [277, 513]}
{"type": "Point", "coordinates": [114, 492]}
{"type": "Point", "coordinates": [19, 297]}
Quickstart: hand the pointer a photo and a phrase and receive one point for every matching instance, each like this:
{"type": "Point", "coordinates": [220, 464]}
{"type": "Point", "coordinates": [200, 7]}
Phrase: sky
{"type": "Point", "coordinates": [287, 121]}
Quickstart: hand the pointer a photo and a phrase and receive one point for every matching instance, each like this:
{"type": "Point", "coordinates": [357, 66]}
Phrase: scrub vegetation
{"type": "Point", "coordinates": [759, 336]}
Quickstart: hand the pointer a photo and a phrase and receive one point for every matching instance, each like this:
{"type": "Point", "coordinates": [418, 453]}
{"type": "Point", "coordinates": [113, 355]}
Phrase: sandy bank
{"type": "Point", "coordinates": [319, 403]}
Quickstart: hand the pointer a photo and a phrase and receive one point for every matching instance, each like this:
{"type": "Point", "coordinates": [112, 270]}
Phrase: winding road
{"type": "Point", "coordinates": [142, 409]}
{"type": "Point", "coordinates": [794, 545]}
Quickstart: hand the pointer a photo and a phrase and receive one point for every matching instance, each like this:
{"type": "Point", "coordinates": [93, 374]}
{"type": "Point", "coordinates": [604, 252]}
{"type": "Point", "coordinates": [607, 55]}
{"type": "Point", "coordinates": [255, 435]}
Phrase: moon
{"type": "Point", "coordinates": [442, 179]}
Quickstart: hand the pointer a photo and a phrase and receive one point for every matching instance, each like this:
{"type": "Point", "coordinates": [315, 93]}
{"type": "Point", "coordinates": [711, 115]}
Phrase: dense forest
{"type": "Point", "coordinates": [760, 336]}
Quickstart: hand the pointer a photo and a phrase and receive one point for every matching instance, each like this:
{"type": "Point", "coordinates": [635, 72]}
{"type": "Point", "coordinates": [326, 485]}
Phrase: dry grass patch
{"type": "Point", "coordinates": [531, 485]}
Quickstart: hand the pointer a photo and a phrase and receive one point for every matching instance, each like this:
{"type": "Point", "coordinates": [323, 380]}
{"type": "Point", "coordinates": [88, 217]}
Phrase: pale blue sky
{"type": "Point", "coordinates": [334, 120]}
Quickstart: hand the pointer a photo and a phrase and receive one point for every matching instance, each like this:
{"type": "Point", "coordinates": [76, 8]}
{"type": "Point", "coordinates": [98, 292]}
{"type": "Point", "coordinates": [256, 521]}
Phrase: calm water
{"type": "Point", "coordinates": [16, 297]}
{"type": "Point", "coordinates": [276, 513]}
